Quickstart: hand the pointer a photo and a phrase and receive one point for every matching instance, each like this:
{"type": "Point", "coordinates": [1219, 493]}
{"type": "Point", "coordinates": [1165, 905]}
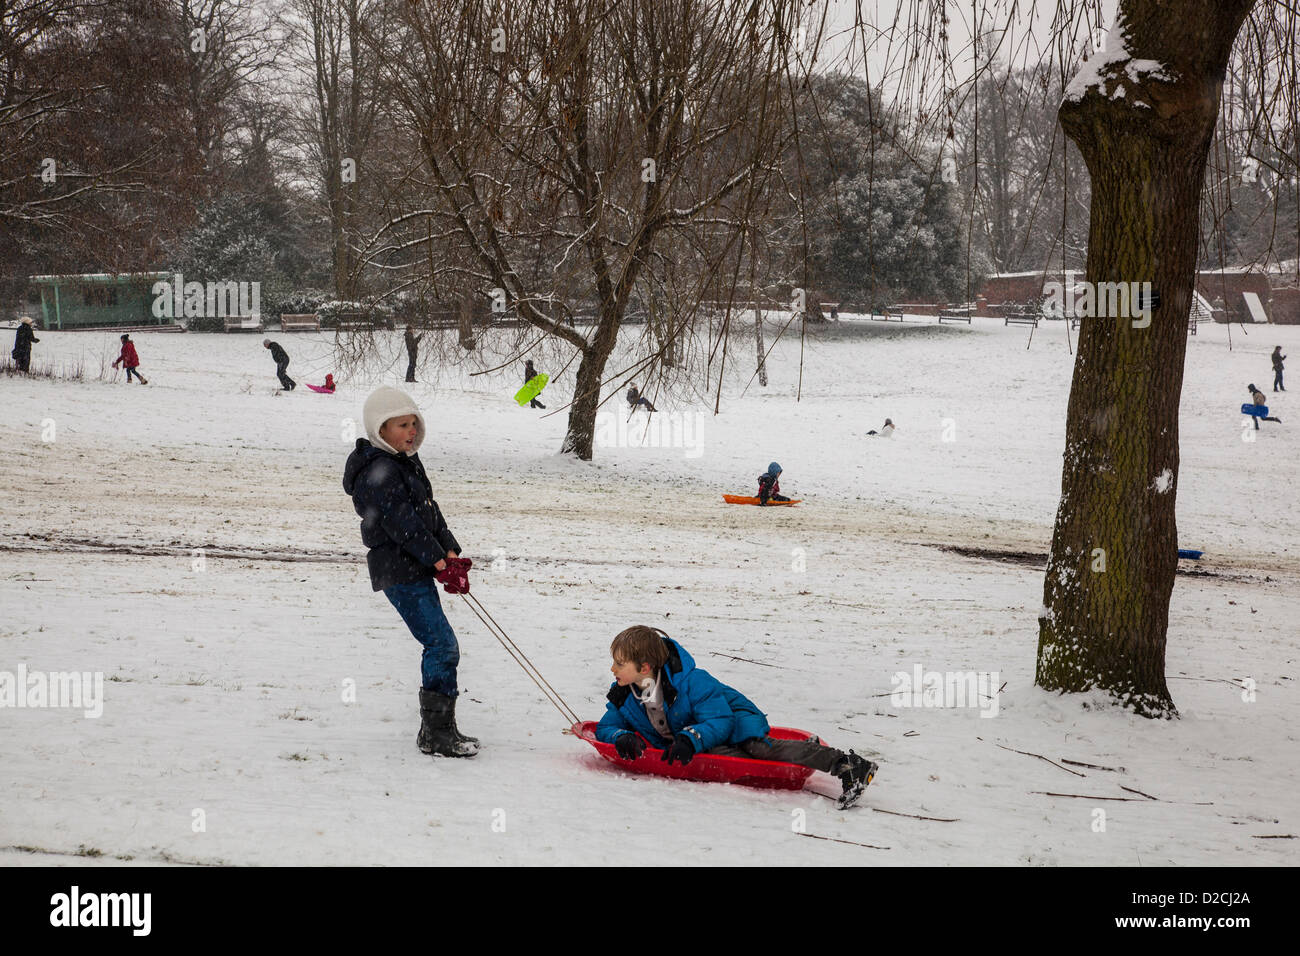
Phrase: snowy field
{"type": "Point", "coordinates": [190, 540]}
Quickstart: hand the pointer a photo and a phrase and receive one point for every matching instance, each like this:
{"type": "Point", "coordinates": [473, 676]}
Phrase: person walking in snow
{"type": "Point", "coordinates": [23, 339]}
{"type": "Point", "coordinates": [635, 398]}
{"type": "Point", "coordinates": [1278, 358]}
{"type": "Point", "coordinates": [129, 360]}
{"type": "Point", "coordinates": [412, 352]}
{"type": "Point", "coordinates": [409, 544]}
{"type": "Point", "coordinates": [281, 363]}
{"type": "Point", "coordinates": [769, 487]}
{"type": "Point", "coordinates": [886, 430]}
{"type": "Point", "coordinates": [530, 373]}
{"type": "Point", "coordinates": [1259, 398]}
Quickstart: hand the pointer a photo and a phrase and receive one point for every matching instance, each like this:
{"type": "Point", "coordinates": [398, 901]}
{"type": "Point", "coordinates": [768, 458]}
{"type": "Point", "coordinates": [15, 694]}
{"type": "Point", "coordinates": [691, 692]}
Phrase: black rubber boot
{"type": "Point", "coordinates": [855, 773]}
{"type": "Point", "coordinates": [436, 736]}
{"type": "Point", "coordinates": [465, 738]}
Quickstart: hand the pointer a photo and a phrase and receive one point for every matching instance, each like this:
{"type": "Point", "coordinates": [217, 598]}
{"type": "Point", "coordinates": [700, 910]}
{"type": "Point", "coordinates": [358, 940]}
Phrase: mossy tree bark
{"type": "Point", "coordinates": [1115, 544]}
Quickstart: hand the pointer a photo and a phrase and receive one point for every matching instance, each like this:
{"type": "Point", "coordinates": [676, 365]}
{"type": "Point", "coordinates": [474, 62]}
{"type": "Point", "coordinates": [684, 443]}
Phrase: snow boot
{"type": "Point", "coordinates": [855, 773]}
{"type": "Point", "coordinates": [464, 738]}
{"type": "Point", "coordinates": [436, 735]}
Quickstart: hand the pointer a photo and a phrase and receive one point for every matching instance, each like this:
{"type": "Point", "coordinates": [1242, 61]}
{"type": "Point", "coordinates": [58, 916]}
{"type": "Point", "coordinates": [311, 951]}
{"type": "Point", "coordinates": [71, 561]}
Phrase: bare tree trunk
{"type": "Point", "coordinates": [663, 333]}
{"type": "Point", "coordinates": [341, 268]}
{"type": "Point", "coordinates": [1001, 239]}
{"type": "Point", "coordinates": [578, 440]}
{"type": "Point", "coordinates": [758, 342]}
{"type": "Point", "coordinates": [467, 323]}
{"type": "Point", "coordinates": [1115, 544]}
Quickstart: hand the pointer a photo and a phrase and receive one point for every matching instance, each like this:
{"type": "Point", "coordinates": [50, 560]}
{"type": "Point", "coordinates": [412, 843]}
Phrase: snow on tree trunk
{"type": "Point", "coordinates": [1142, 114]}
{"type": "Point", "coordinates": [758, 343]}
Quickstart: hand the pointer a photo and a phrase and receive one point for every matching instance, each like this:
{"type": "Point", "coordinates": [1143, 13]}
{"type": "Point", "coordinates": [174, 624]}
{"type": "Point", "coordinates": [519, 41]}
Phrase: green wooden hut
{"type": "Point", "coordinates": [99, 300]}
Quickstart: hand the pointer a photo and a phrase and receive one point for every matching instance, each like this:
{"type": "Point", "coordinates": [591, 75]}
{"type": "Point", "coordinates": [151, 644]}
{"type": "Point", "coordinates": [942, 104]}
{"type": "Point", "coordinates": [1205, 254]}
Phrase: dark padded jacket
{"type": "Point", "coordinates": [279, 354]}
{"type": "Point", "coordinates": [400, 521]}
{"type": "Point", "coordinates": [23, 340]}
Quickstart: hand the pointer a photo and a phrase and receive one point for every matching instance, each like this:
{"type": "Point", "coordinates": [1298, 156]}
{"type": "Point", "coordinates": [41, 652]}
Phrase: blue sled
{"type": "Point", "coordinates": [1260, 410]}
{"type": "Point", "coordinates": [1189, 553]}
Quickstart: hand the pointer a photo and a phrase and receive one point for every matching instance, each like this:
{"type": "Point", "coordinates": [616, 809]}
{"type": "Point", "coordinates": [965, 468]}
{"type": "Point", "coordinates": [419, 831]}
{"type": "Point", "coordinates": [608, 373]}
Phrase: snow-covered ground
{"type": "Point", "coordinates": [190, 540]}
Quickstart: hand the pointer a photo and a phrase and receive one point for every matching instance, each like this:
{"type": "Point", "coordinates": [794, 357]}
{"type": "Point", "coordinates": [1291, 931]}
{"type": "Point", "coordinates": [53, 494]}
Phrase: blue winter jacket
{"type": "Point", "coordinates": [695, 702]}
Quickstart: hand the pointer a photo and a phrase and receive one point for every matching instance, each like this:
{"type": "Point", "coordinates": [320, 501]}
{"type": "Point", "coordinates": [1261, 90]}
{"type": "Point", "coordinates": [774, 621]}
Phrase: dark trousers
{"type": "Point", "coordinates": [410, 369]}
{"type": "Point", "coordinates": [23, 360]}
{"type": "Point", "coordinates": [132, 370]}
{"type": "Point", "coordinates": [1277, 380]}
{"type": "Point", "coordinates": [806, 753]}
{"type": "Point", "coordinates": [285, 381]}
{"type": "Point", "coordinates": [421, 609]}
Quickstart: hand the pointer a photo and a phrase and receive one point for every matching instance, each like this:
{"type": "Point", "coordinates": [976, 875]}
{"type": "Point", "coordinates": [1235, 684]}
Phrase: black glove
{"type": "Point", "coordinates": [629, 746]}
{"type": "Point", "coordinates": [680, 749]}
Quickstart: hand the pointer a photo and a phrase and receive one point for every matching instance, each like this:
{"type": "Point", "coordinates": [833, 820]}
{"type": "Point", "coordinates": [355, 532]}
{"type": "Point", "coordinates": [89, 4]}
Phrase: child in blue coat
{"type": "Point", "coordinates": [769, 485]}
{"type": "Point", "coordinates": [660, 698]}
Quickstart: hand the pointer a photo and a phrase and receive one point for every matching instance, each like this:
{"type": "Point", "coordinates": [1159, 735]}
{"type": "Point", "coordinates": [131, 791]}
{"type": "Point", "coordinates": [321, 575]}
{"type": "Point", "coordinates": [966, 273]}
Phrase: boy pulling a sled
{"type": "Point", "coordinates": [661, 698]}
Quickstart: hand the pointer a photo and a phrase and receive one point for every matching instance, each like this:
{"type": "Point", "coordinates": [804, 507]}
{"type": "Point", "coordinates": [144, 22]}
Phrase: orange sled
{"type": "Point", "coordinates": [750, 500]}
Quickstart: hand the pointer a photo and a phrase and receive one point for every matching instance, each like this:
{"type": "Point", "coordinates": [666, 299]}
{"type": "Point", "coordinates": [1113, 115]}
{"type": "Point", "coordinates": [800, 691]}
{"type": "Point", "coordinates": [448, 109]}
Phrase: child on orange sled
{"type": "Point", "coordinates": [660, 696]}
{"type": "Point", "coordinates": [769, 485]}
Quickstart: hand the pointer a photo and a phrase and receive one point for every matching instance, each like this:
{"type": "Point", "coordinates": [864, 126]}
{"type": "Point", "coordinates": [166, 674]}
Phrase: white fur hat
{"type": "Point", "coordinates": [27, 320]}
{"type": "Point", "coordinates": [385, 403]}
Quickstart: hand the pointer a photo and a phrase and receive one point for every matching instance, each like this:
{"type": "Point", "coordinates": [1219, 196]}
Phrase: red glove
{"type": "Point", "coordinates": [455, 576]}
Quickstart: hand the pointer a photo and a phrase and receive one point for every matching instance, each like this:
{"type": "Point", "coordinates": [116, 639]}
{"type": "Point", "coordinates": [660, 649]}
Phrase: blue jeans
{"type": "Point", "coordinates": [421, 609]}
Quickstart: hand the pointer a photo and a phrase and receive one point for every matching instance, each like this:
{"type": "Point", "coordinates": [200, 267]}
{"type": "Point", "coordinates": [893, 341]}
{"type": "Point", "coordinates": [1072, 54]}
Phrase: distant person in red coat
{"type": "Point", "coordinates": [130, 361]}
{"type": "Point", "coordinates": [327, 388]}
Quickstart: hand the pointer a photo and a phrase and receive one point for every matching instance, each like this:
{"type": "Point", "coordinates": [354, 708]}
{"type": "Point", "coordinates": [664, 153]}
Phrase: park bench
{"type": "Point", "coordinates": [1192, 323]}
{"type": "Point", "coordinates": [891, 312]}
{"type": "Point", "coordinates": [1022, 317]}
{"type": "Point", "coordinates": [361, 321]}
{"type": "Point", "coordinates": [830, 309]}
{"type": "Point", "coordinates": [300, 323]}
{"type": "Point", "coordinates": [954, 315]}
{"type": "Point", "coordinates": [243, 323]}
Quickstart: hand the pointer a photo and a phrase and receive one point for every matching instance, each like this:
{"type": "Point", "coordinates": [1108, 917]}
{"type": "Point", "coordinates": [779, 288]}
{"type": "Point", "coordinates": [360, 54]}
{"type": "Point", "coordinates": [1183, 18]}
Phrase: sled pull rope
{"type": "Point", "coordinates": [549, 692]}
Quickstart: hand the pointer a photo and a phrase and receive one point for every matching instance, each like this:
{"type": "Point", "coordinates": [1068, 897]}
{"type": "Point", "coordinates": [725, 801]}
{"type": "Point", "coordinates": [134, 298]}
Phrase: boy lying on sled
{"type": "Point", "coordinates": [659, 696]}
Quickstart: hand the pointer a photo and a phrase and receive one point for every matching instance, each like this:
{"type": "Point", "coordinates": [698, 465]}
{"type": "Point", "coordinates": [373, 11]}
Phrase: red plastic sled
{"type": "Point", "coordinates": [764, 774]}
{"type": "Point", "coordinates": [320, 388]}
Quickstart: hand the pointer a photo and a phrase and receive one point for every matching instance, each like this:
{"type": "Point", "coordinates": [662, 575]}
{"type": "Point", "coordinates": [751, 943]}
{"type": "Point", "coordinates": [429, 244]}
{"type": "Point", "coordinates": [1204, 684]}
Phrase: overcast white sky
{"type": "Point", "coordinates": [1027, 32]}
